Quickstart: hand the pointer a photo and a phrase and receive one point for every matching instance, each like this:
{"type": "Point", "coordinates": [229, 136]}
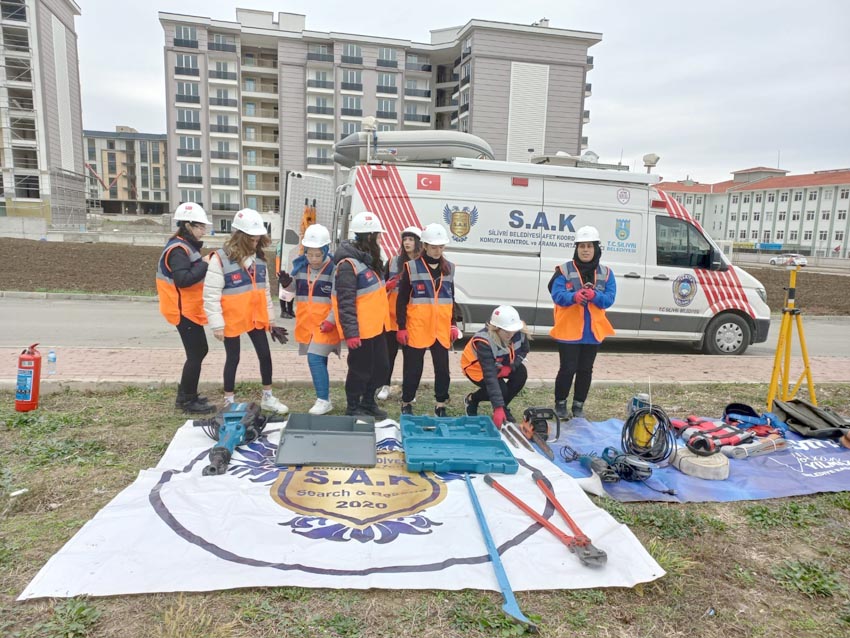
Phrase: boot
{"type": "Point", "coordinates": [407, 408]}
{"type": "Point", "coordinates": [561, 410]}
{"type": "Point", "coordinates": [470, 405]}
{"type": "Point", "coordinates": [193, 405]}
{"type": "Point", "coordinates": [578, 410]}
{"type": "Point", "coordinates": [440, 411]}
{"type": "Point", "coordinates": [372, 409]}
{"type": "Point", "coordinates": [351, 406]}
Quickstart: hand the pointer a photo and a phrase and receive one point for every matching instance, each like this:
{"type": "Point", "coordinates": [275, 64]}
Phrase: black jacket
{"type": "Point", "coordinates": [345, 282]}
{"type": "Point", "coordinates": [490, 370]}
{"type": "Point", "coordinates": [184, 272]}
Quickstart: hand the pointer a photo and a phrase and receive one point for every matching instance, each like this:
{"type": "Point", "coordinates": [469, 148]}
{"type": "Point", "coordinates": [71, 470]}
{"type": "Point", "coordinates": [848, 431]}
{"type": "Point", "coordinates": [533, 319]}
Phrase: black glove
{"type": "Point", "coordinates": [284, 278]}
{"type": "Point", "coordinates": [279, 334]}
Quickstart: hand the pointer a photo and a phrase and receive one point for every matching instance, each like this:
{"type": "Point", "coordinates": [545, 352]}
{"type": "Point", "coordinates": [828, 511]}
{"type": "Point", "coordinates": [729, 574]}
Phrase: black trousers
{"type": "Point", "coordinates": [231, 361]}
{"type": "Point", "coordinates": [392, 353]}
{"type": "Point", "coordinates": [576, 361]}
{"type": "Point", "coordinates": [414, 360]}
{"type": "Point", "coordinates": [367, 369]}
{"type": "Point", "coordinates": [195, 344]}
{"type": "Point", "coordinates": [510, 386]}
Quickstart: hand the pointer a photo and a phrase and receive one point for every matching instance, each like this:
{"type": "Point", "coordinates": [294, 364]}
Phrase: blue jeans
{"type": "Point", "coordinates": [319, 371]}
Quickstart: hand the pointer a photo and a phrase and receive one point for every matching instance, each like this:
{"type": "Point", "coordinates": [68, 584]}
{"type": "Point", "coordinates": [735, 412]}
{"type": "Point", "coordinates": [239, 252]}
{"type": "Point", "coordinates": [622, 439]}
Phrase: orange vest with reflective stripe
{"type": "Point", "coordinates": [314, 305]}
{"type": "Point", "coordinates": [429, 310]}
{"type": "Point", "coordinates": [371, 304]}
{"type": "Point", "coordinates": [569, 320]}
{"type": "Point", "coordinates": [174, 301]}
{"type": "Point", "coordinates": [469, 363]}
{"type": "Point", "coordinates": [243, 299]}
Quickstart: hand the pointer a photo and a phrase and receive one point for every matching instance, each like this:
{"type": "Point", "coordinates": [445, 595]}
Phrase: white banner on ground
{"type": "Point", "coordinates": [174, 529]}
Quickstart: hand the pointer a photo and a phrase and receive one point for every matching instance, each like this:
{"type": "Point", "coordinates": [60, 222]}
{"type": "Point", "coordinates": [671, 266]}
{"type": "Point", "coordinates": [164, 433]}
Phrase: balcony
{"type": "Point", "coordinates": [320, 84]}
{"type": "Point", "coordinates": [589, 62]}
{"type": "Point", "coordinates": [584, 142]}
{"type": "Point", "coordinates": [259, 163]}
{"type": "Point", "coordinates": [224, 155]}
{"type": "Point", "coordinates": [187, 99]}
{"type": "Point", "coordinates": [224, 101]}
{"type": "Point", "coordinates": [260, 114]}
{"type": "Point", "coordinates": [260, 187]}
{"type": "Point", "coordinates": [260, 89]}
{"type": "Point", "coordinates": [320, 161]}
{"type": "Point", "coordinates": [417, 117]}
{"type": "Point", "coordinates": [186, 70]}
{"type": "Point", "coordinates": [188, 126]}
{"type": "Point", "coordinates": [585, 116]}
{"type": "Point", "coordinates": [224, 181]}
{"type": "Point", "coordinates": [351, 86]}
{"type": "Point", "coordinates": [188, 44]}
{"type": "Point", "coordinates": [222, 206]}
{"type": "Point", "coordinates": [321, 136]}
{"type": "Point", "coordinates": [386, 115]}
{"type": "Point", "coordinates": [260, 138]}
{"type": "Point", "coordinates": [466, 51]}
{"type": "Point", "coordinates": [351, 59]}
{"type": "Point", "coordinates": [387, 90]}
{"type": "Point", "coordinates": [588, 89]}
{"type": "Point", "coordinates": [465, 80]}
{"type": "Point", "coordinates": [447, 78]}
{"type": "Point", "coordinates": [351, 112]}
{"type": "Point", "coordinates": [188, 152]}
{"type": "Point", "coordinates": [418, 92]}
{"type": "Point", "coordinates": [413, 66]}
{"type": "Point", "coordinates": [222, 75]}
{"type": "Point", "coordinates": [190, 179]}
{"type": "Point", "coordinates": [389, 64]}
{"type": "Point", "coordinates": [464, 108]}
{"type": "Point", "coordinates": [224, 128]}
{"type": "Point", "coordinates": [261, 64]}
{"type": "Point", "coordinates": [320, 110]}
{"type": "Point", "coordinates": [221, 46]}
{"type": "Point", "coordinates": [320, 57]}
{"type": "Point", "coordinates": [17, 13]}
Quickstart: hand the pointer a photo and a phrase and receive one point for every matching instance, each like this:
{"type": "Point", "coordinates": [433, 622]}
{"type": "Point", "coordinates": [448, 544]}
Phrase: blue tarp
{"type": "Point", "coordinates": [808, 466]}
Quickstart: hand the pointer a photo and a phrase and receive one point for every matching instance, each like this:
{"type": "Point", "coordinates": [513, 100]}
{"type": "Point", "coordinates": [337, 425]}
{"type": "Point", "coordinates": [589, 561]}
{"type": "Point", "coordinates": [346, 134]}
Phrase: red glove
{"type": "Point", "coordinates": [589, 294]}
{"type": "Point", "coordinates": [454, 333]}
{"type": "Point", "coordinates": [326, 326]}
{"type": "Point", "coordinates": [391, 284]}
{"type": "Point", "coordinates": [503, 372]}
{"type": "Point", "coordinates": [353, 343]}
{"type": "Point", "coordinates": [580, 297]}
{"type": "Point", "coordinates": [402, 337]}
{"type": "Point", "coordinates": [499, 417]}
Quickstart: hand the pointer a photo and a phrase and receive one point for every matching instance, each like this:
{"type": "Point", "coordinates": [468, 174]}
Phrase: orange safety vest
{"type": "Point", "coordinates": [174, 301]}
{"type": "Point", "coordinates": [243, 299]}
{"type": "Point", "coordinates": [392, 295]}
{"type": "Point", "coordinates": [469, 363]}
{"type": "Point", "coordinates": [569, 320]}
{"type": "Point", "coordinates": [371, 304]}
{"type": "Point", "coordinates": [429, 310]}
{"type": "Point", "coordinates": [314, 305]}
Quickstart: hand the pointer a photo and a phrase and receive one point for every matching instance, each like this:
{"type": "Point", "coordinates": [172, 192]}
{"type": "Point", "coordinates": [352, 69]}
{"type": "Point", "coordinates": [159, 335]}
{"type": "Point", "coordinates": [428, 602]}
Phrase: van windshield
{"type": "Point", "coordinates": [680, 244]}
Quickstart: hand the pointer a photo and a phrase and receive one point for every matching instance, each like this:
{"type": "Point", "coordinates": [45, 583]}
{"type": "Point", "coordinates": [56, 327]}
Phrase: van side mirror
{"type": "Point", "coordinates": [717, 262]}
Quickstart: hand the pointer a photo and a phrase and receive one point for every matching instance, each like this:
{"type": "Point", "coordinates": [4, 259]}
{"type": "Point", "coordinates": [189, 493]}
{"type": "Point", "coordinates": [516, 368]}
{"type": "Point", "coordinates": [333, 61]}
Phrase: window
{"type": "Point", "coordinates": [224, 172]}
{"type": "Point", "coordinates": [465, 70]}
{"type": "Point", "coordinates": [189, 142]}
{"type": "Point", "coordinates": [411, 84]}
{"type": "Point", "coordinates": [190, 195]}
{"type": "Point", "coordinates": [771, 197]}
{"type": "Point", "coordinates": [187, 61]}
{"type": "Point", "coordinates": [743, 234]}
{"type": "Point", "coordinates": [155, 153]}
{"type": "Point", "coordinates": [813, 196]}
{"type": "Point", "coordinates": [188, 115]}
{"type": "Point", "coordinates": [798, 196]}
{"type": "Point", "coordinates": [795, 216]}
{"type": "Point", "coordinates": [386, 53]}
{"type": "Point", "coordinates": [219, 38]}
{"type": "Point", "coordinates": [352, 50]}
{"type": "Point", "coordinates": [745, 216]}
{"type": "Point", "coordinates": [733, 217]}
{"type": "Point", "coordinates": [143, 151]}
{"type": "Point", "coordinates": [222, 67]}
{"type": "Point", "coordinates": [386, 127]}
{"type": "Point", "coordinates": [253, 202]}
{"type": "Point", "coordinates": [350, 102]}
{"type": "Point", "coordinates": [842, 215]}
{"type": "Point", "coordinates": [758, 198]}
{"type": "Point", "coordinates": [734, 199]}
{"type": "Point", "coordinates": [251, 158]}
{"type": "Point", "coordinates": [26, 186]}
{"type": "Point", "coordinates": [348, 128]}
{"type": "Point", "coordinates": [844, 193]}
{"type": "Point", "coordinates": [680, 244]}
{"type": "Point", "coordinates": [92, 151]}
{"type": "Point", "coordinates": [249, 109]}
{"type": "Point", "coordinates": [747, 198]}
{"type": "Point", "coordinates": [768, 216]}
{"type": "Point", "coordinates": [386, 79]}
{"type": "Point", "coordinates": [156, 176]}
{"type": "Point", "coordinates": [780, 235]}
{"type": "Point", "coordinates": [807, 235]}
{"type": "Point", "coordinates": [783, 197]}
{"type": "Point", "coordinates": [146, 195]}
{"type": "Point", "coordinates": [386, 105]}
{"type": "Point", "coordinates": [827, 195]}
{"type": "Point", "coordinates": [251, 180]}
{"type": "Point", "coordinates": [157, 195]}
{"type": "Point", "coordinates": [222, 94]}
{"type": "Point", "coordinates": [824, 215]}
{"type": "Point", "coordinates": [782, 215]}
{"type": "Point", "coordinates": [250, 84]}
{"type": "Point", "coordinates": [756, 215]}
{"type": "Point", "coordinates": [224, 225]}
{"type": "Point", "coordinates": [319, 48]}
{"type": "Point", "coordinates": [689, 199]}
{"type": "Point", "coordinates": [185, 33]}
{"type": "Point", "coordinates": [113, 191]}
{"type": "Point", "coordinates": [731, 234]}
{"type": "Point", "coordinates": [810, 215]}
{"type": "Point", "coordinates": [187, 89]}
{"type": "Point", "coordinates": [189, 169]}
{"type": "Point", "coordinates": [410, 109]}
{"type": "Point", "coordinates": [754, 234]}
{"type": "Point", "coordinates": [839, 235]}
{"type": "Point", "coordinates": [699, 199]}
{"type": "Point", "coordinates": [822, 235]}
{"type": "Point", "coordinates": [222, 120]}
{"type": "Point", "coordinates": [110, 144]}
{"type": "Point", "coordinates": [351, 76]}
{"type": "Point", "coordinates": [110, 162]}
{"type": "Point", "coordinates": [792, 235]}
{"type": "Point", "coordinates": [145, 178]}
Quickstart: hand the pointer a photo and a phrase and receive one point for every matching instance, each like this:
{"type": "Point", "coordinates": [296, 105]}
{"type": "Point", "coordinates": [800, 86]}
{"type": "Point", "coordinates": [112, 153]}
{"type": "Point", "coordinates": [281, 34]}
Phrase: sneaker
{"type": "Point", "coordinates": [383, 393]}
{"type": "Point", "coordinates": [440, 411]}
{"type": "Point", "coordinates": [578, 410]}
{"type": "Point", "coordinates": [372, 409]}
{"type": "Point", "coordinates": [273, 404]}
{"type": "Point", "coordinates": [561, 410]}
{"type": "Point", "coordinates": [321, 406]}
{"type": "Point", "coordinates": [470, 405]}
{"type": "Point", "coordinates": [407, 408]}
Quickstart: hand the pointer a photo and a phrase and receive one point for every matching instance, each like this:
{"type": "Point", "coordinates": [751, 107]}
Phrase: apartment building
{"type": "Point", "coordinates": [40, 112]}
{"type": "Point", "coordinates": [766, 209]}
{"type": "Point", "coordinates": [250, 99]}
{"type": "Point", "coordinates": [127, 171]}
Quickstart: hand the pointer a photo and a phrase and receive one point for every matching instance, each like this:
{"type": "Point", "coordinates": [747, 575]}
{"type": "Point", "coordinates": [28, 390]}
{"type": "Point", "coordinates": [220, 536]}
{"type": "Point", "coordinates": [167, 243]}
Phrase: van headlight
{"type": "Point", "coordinates": [761, 292]}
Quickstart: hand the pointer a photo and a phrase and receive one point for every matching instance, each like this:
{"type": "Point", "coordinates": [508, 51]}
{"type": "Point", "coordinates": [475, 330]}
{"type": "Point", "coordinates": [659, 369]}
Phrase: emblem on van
{"type": "Point", "coordinates": [623, 229]}
{"type": "Point", "coordinates": [460, 220]}
{"type": "Point", "coordinates": [623, 196]}
{"type": "Point", "coordinates": [684, 290]}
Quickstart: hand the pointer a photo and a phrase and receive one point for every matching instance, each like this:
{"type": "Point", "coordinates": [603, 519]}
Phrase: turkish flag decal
{"type": "Point", "coordinates": [427, 182]}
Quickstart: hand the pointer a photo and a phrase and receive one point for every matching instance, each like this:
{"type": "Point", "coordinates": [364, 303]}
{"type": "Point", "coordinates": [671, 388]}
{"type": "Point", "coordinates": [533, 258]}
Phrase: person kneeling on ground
{"type": "Point", "coordinates": [494, 361]}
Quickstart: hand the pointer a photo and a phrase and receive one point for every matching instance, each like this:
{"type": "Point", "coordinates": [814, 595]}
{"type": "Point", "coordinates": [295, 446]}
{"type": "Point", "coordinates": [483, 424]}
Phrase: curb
{"type": "Point", "coordinates": [75, 296]}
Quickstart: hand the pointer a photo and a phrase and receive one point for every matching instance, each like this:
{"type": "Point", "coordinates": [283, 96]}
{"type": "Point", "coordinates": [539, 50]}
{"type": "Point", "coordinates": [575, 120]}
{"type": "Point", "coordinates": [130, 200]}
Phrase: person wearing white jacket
{"type": "Point", "coordinates": [237, 300]}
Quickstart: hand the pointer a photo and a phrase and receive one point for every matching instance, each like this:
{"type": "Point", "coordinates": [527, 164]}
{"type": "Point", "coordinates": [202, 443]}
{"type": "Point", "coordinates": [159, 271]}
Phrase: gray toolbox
{"type": "Point", "coordinates": [311, 439]}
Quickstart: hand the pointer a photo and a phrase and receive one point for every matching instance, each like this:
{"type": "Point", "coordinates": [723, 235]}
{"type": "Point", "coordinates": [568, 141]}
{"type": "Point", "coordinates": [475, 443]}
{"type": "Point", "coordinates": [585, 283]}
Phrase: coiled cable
{"type": "Point", "coordinates": [655, 445]}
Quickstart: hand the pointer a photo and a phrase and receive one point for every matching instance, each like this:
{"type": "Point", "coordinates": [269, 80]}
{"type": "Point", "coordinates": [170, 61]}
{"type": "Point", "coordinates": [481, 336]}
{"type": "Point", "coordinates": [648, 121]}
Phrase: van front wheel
{"type": "Point", "coordinates": [727, 334]}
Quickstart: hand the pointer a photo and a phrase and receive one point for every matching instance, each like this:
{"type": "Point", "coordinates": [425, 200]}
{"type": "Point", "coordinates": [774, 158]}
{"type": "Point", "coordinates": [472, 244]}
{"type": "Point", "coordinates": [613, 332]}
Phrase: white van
{"type": "Point", "coordinates": [511, 224]}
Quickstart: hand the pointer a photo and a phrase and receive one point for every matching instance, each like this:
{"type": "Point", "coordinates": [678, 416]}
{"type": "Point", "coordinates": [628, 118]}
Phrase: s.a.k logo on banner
{"type": "Point", "coordinates": [427, 182]}
{"type": "Point", "coordinates": [623, 229]}
{"type": "Point", "coordinates": [460, 220]}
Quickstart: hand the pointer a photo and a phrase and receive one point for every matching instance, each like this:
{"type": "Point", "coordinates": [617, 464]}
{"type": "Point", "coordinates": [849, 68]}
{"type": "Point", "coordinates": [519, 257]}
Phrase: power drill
{"type": "Point", "coordinates": [236, 424]}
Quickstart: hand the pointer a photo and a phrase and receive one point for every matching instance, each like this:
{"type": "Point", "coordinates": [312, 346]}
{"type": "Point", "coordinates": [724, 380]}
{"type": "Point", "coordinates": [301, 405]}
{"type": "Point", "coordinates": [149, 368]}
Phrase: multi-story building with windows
{"type": "Point", "coordinates": [40, 112]}
{"type": "Point", "coordinates": [128, 170]}
{"type": "Point", "coordinates": [765, 208]}
{"type": "Point", "coordinates": [262, 95]}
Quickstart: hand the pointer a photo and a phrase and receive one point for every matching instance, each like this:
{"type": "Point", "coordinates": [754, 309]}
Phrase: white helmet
{"type": "Point", "coordinates": [506, 318]}
{"type": "Point", "coordinates": [435, 234]}
{"type": "Point", "coordinates": [249, 222]}
{"type": "Point", "coordinates": [366, 222]}
{"type": "Point", "coordinates": [412, 230]}
{"type": "Point", "coordinates": [316, 236]}
{"type": "Point", "coordinates": [191, 212]}
{"type": "Point", "coordinates": [587, 233]}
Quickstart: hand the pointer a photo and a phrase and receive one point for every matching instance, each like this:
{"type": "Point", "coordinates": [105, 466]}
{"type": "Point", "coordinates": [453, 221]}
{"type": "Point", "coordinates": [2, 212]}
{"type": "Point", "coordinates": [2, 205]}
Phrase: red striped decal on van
{"type": "Point", "coordinates": [722, 289]}
{"type": "Point", "coordinates": [387, 196]}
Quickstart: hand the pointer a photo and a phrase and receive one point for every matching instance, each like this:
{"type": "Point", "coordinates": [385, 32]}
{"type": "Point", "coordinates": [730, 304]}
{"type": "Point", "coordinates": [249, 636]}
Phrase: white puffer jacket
{"type": "Point", "coordinates": [214, 284]}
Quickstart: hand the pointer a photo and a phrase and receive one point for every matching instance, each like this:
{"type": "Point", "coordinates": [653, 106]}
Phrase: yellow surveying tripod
{"type": "Point", "coordinates": [779, 379]}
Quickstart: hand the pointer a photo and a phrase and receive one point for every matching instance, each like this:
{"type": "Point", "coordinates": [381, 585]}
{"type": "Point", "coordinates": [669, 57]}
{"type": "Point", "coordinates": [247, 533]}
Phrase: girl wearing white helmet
{"type": "Point", "coordinates": [237, 300]}
{"type": "Point", "coordinates": [494, 361]}
{"type": "Point", "coordinates": [425, 312]}
{"type": "Point", "coordinates": [180, 286]}
{"type": "Point", "coordinates": [410, 248]}
{"type": "Point", "coordinates": [311, 282]}
{"type": "Point", "coordinates": [360, 309]}
{"type": "Point", "coordinates": [582, 289]}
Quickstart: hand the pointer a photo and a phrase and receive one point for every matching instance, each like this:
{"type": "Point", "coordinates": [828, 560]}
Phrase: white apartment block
{"type": "Point", "coordinates": [767, 209]}
{"type": "Point", "coordinates": [251, 99]}
{"type": "Point", "coordinates": [40, 112]}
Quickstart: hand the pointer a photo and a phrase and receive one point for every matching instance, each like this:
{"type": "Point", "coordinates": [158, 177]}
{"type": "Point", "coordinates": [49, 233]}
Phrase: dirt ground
{"type": "Point", "coordinates": [117, 268]}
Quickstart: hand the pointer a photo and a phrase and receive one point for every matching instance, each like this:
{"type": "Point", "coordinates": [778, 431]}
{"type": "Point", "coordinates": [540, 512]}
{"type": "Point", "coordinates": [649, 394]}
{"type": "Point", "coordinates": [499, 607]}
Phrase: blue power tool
{"type": "Point", "coordinates": [236, 424]}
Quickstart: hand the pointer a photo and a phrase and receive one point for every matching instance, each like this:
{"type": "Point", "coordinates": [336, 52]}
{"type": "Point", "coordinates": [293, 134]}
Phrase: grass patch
{"type": "Point", "coordinates": [670, 522]}
{"type": "Point", "coordinates": [788, 514]}
{"type": "Point", "coordinates": [810, 578]}
{"type": "Point", "coordinates": [673, 561]}
{"type": "Point", "coordinates": [185, 619]}
{"type": "Point", "coordinates": [73, 618]}
{"type": "Point", "coordinates": [66, 451]}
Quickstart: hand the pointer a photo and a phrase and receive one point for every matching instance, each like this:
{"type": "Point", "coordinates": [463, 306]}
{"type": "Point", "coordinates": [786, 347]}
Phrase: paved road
{"type": "Point", "coordinates": [138, 324]}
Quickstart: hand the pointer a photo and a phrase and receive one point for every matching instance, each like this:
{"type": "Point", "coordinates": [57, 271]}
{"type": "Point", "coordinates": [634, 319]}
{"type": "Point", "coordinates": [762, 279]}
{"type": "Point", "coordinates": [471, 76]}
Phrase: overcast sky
{"type": "Point", "coordinates": [711, 87]}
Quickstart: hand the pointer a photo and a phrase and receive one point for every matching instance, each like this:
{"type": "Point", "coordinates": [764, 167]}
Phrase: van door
{"type": "Point", "coordinates": [675, 304]}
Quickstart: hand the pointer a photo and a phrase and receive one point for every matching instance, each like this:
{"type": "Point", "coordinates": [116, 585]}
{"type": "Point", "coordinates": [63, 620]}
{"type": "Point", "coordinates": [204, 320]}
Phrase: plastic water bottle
{"type": "Point", "coordinates": [51, 363]}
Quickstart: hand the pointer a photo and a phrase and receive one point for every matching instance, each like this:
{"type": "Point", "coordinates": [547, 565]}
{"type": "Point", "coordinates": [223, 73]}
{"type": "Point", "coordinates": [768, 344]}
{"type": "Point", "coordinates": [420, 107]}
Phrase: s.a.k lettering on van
{"type": "Point", "coordinates": [512, 224]}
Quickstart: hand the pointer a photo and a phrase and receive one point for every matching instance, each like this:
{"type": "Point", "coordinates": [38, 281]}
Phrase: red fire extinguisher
{"type": "Point", "coordinates": [29, 377]}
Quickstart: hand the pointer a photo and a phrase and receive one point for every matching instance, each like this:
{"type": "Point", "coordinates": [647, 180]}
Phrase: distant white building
{"type": "Point", "coordinates": [765, 208]}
